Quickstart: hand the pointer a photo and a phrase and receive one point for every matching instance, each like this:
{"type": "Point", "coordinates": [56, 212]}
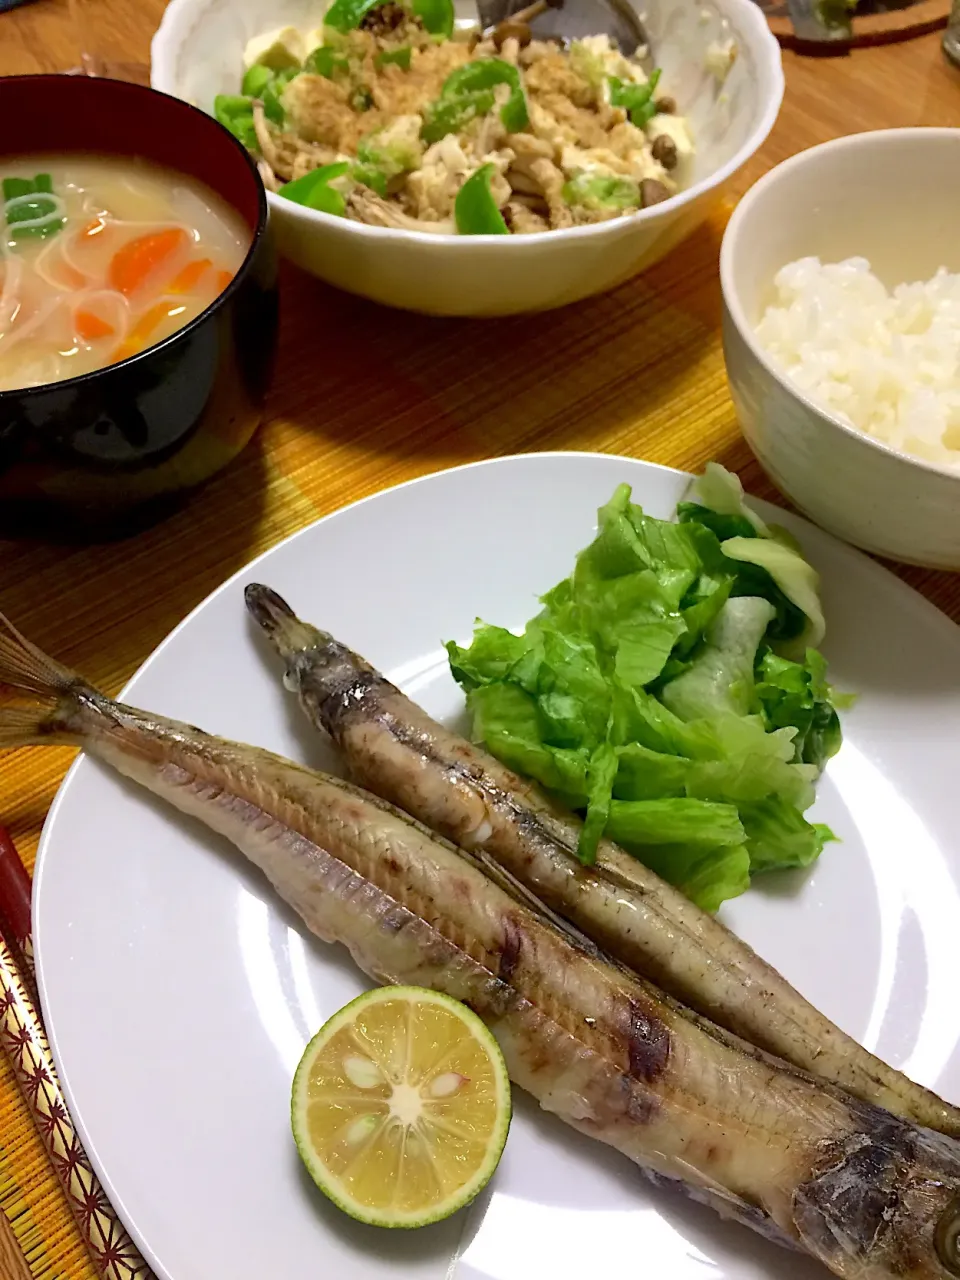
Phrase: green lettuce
{"type": "Point", "coordinates": [668, 691]}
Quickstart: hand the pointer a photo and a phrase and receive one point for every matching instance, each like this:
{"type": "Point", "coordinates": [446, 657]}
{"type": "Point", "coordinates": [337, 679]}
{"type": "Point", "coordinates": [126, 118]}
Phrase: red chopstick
{"type": "Point", "coordinates": [23, 1038]}
{"type": "Point", "coordinates": [15, 894]}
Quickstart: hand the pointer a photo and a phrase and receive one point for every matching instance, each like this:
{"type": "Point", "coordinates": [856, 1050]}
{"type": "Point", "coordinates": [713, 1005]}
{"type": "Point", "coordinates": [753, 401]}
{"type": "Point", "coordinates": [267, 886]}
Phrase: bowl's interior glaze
{"type": "Point", "coordinates": [58, 114]}
{"type": "Point", "coordinates": [891, 197]}
{"type": "Point", "coordinates": [203, 48]}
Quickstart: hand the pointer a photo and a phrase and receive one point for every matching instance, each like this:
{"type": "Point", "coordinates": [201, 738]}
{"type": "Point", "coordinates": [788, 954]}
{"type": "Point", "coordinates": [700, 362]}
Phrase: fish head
{"type": "Point", "coordinates": [290, 636]}
{"type": "Point", "coordinates": [884, 1202]}
{"type": "Point", "coordinates": [329, 678]}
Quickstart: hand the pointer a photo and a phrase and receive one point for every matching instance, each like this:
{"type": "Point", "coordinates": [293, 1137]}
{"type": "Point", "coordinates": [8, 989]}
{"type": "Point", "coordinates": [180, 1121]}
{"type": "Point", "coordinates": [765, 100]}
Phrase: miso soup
{"type": "Point", "coordinates": [102, 257]}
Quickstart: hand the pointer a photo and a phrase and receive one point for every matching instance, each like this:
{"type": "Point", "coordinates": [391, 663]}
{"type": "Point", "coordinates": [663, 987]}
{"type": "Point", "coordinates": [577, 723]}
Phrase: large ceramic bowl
{"type": "Point", "coordinates": [892, 197]}
{"type": "Point", "coordinates": [197, 53]}
{"type": "Point", "coordinates": [99, 452]}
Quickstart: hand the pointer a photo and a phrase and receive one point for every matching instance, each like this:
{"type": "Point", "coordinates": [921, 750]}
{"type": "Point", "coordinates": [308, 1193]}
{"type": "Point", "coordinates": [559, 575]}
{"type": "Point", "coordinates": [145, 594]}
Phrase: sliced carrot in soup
{"type": "Point", "coordinates": [133, 265]}
{"type": "Point", "coordinates": [223, 279]}
{"type": "Point", "coordinates": [139, 336]}
{"type": "Point", "coordinates": [90, 326]}
{"type": "Point", "coordinates": [188, 278]}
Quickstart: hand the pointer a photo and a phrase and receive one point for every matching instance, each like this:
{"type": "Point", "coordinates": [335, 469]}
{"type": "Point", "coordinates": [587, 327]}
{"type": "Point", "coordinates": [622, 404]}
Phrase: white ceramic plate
{"type": "Point", "coordinates": [179, 992]}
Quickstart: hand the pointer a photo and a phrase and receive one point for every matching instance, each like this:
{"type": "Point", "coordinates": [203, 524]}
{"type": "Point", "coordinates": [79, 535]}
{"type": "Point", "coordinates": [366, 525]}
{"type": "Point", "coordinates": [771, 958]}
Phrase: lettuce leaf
{"type": "Point", "coordinates": [720, 679]}
{"type": "Point", "coordinates": [666, 693]}
{"type": "Point", "coordinates": [707, 876]}
{"type": "Point", "coordinates": [796, 694]}
{"type": "Point", "coordinates": [779, 836]}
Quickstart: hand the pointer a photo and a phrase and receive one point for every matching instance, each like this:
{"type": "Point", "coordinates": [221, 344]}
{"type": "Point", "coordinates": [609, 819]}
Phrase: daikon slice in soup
{"type": "Point", "coordinates": [102, 257]}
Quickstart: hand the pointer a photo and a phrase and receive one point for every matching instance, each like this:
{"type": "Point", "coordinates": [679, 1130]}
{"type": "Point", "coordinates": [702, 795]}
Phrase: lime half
{"type": "Point", "coordinates": [401, 1107]}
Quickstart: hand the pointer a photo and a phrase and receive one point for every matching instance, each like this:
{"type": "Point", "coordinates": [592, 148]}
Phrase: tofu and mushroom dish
{"type": "Point", "coordinates": [391, 115]}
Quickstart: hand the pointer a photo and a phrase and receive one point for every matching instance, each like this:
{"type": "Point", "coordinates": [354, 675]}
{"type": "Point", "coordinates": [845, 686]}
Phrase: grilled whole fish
{"type": "Point", "coordinates": [868, 1194]}
{"type": "Point", "coordinates": [395, 749]}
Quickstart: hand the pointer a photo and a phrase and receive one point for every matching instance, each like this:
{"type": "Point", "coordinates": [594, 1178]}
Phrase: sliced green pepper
{"type": "Point", "coordinates": [346, 15]}
{"type": "Point", "coordinates": [484, 74]}
{"type": "Point", "coordinates": [454, 114]}
{"type": "Point", "coordinates": [601, 191]}
{"type": "Point", "coordinates": [236, 114]}
{"type": "Point", "coordinates": [475, 210]}
{"type": "Point", "coordinates": [636, 99]}
{"type": "Point", "coordinates": [31, 201]}
{"type": "Point", "coordinates": [272, 106]}
{"type": "Point", "coordinates": [227, 105]}
{"type": "Point", "coordinates": [256, 80]}
{"type": "Point", "coordinates": [397, 57]}
{"type": "Point", "coordinates": [326, 62]}
{"type": "Point", "coordinates": [436, 16]}
{"type": "Point", "coordinates": [314, 191]}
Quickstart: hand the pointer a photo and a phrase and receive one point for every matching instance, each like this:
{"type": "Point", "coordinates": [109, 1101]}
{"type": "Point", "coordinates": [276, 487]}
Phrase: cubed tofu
{"type": "Point", "coordinates": [314, 39]}
{"type": "Point", "coordinates": [278, 49]}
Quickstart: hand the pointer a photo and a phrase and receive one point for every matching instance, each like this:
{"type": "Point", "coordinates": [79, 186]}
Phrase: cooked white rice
{"type": "Point", "coordinates": [888, 363]}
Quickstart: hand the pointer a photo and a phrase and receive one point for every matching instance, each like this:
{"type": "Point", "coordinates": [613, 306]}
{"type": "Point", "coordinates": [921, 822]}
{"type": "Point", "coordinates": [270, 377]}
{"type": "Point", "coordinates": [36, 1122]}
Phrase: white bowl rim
{"type": "Point", "coordinates": [772, 63]}
{"type": "Point", "coordinates": [731, 295]}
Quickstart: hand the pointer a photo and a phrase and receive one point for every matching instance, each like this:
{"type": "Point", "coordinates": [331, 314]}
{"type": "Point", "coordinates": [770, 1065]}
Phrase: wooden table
{"type": "Point", "coordinates": [365, 398]}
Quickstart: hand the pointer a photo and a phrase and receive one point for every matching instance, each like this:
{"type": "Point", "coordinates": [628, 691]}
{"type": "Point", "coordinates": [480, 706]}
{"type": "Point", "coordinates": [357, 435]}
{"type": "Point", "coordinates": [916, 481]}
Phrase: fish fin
{"type": "Point", "coordinates": [23, 666]}
{"type": "Point", "coordinates": [40, 687]}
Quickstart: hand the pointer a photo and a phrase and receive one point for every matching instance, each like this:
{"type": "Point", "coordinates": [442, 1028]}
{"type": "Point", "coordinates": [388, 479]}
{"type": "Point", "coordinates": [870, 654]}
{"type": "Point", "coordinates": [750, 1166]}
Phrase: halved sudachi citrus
{"type": "Point", "coordinates": [401, 1107]}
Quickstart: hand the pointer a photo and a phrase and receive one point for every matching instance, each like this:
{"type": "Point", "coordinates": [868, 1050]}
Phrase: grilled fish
{"type": "Point", "coordinates": [392, 747]}
{"type": "Point", "coordinates": [868, 1194]}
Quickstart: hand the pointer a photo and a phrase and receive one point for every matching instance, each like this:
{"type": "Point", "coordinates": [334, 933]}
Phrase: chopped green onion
{"type": "Point", "coordinates": [601, 191]}
{"type": "Point", "coordinates": [636, 99]}
{"type": "Point", "coordinates": [381, 158]}
{"type": "Point", "coordinates": [314, 191]}
{"type": "Point", "coordinates": [370, 176]}
{"type": "Point", "coordinates": [475, 210]}
{"type": "Point", "coordinates": [398, 57]}
{"type": "Point", "coordinates": [31, 208]}
{"type": "Point", "coordinates": [272, 106]}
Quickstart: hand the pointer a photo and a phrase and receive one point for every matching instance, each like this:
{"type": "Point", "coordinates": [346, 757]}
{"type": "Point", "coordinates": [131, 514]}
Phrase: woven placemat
{"type": "Point", "coordinates": [366, 398]}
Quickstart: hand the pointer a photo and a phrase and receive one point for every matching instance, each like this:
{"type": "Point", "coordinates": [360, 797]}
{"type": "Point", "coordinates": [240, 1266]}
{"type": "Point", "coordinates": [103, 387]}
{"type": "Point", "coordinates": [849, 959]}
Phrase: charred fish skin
{"type": "Point", "coordinates": [392, 747]}
{"type": "Point", "coordinates": [784, 1153]}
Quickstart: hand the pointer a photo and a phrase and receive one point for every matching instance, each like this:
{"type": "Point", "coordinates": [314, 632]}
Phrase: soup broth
{"type": "Point", "coordinates": [102, 257]}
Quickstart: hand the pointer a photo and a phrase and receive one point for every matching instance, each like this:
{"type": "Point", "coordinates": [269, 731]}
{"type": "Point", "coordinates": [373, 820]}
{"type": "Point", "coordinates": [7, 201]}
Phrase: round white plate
{"type": "Point", "coordinates": [179, 992]}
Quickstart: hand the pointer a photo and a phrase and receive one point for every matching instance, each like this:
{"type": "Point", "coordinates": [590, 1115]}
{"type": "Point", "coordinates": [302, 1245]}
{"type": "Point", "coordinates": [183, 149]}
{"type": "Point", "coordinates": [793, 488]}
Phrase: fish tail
{"type": "Point", "coordinates": [280, 624]}
{"type": "Point", "coordinates": [37, 694]}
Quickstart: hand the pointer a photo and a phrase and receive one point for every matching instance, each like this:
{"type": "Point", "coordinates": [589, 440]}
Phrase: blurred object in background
{"type": "Point", "coordinates": [103, 45]}
{"type": "Point", "coordinates": [834, 26]}
{"type": "Point", "coordinates": [79, 37]}
{"type": "Point", "coordinates": [951, 37]}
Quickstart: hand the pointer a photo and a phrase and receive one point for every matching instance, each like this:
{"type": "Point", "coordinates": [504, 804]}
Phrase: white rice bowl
{"type": "Point", "coordinates": [886, 362]}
